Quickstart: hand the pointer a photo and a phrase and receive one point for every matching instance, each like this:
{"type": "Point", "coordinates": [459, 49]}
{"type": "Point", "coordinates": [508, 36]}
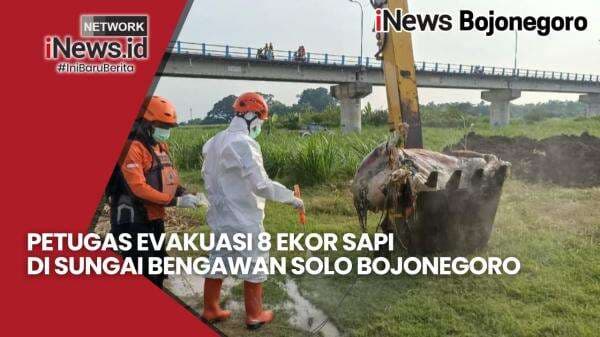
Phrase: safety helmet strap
{"type": "Point", "coordinates": [248, 121]}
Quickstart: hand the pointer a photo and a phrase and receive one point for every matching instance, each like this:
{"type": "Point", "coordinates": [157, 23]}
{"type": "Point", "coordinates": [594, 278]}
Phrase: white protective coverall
{"type": "Point", "coordinates": [237, 185]}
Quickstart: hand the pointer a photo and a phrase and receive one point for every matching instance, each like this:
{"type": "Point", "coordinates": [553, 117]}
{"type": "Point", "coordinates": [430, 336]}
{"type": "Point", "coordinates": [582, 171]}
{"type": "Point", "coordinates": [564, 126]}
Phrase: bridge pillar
{"type": "Point", "coordinates": [500, 109]}
{"type": "Point", "coordinates": [593, 104]}
{"type": "Point", "coordinates": [349, 95]}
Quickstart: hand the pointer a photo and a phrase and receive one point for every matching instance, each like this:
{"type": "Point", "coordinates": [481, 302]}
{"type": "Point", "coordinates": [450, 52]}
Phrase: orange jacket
{"type": "Point", "coordinates": [136, 164]}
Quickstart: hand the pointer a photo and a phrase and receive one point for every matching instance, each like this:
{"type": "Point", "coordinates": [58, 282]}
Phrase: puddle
{"type": "Point", "coordinates": [305, 315]}
{"type": "Point", "coordinates": [190, 288]}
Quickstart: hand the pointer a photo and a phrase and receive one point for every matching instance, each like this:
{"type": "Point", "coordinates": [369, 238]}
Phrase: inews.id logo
{"type": "Point", "coordinates": [113, 38]}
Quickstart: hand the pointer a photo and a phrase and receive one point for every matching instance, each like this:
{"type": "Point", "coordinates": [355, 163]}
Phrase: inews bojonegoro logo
{"type": "Point", "coordinates": [467, 20]}
{"type": "Point", "coordinates": [106, 44]}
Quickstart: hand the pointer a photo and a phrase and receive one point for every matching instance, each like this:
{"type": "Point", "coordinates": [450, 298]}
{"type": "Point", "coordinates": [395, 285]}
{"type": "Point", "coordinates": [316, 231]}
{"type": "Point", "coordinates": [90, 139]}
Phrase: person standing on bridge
{"type": "Point", "coordinates": [270, 54]}
{"type": "Point", "coordinates": [301, 54]}
{"type": "Point", "coordinates": [266, 52]}
{"type": "Point", "coordinates": [237, 186]}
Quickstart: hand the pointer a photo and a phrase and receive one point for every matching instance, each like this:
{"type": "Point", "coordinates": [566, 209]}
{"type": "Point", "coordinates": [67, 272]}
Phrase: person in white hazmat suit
{"type": "Point", "coordinates": [237, 186]}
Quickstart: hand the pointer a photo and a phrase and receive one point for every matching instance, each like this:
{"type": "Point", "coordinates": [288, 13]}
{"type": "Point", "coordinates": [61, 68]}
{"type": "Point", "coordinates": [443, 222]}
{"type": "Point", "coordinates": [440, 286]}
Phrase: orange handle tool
{"type": "Point", "coordinates": [301, 214]}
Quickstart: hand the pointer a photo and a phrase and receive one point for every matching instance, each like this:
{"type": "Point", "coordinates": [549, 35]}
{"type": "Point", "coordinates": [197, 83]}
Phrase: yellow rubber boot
{"type": "Point", "coordinates": [253, 299]}
{"type": "Point", "coordinates": [212, 294]}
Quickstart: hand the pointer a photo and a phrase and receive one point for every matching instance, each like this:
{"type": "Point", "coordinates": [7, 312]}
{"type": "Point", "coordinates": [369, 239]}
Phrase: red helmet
{"type": "Point", "coordinates": [252, 102]}
{"type": "Point", "coordinates": [159, 109]}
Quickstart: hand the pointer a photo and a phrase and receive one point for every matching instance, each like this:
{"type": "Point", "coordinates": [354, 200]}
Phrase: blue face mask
{"type": "Point", "coordinates": [255, 131]}
{"type": "Point", "coordinates": [161, 135]}
{"type": "Point", "coordinates": [254, 128]}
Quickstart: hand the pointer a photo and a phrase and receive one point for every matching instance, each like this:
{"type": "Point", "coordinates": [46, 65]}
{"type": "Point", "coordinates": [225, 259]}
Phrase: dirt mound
{"type": "Point", "coordinates": [572, 161]}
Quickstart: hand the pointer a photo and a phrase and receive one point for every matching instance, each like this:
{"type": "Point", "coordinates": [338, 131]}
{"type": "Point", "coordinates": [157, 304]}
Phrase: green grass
{"type": "Point", "coordinates": [554, 231]}
{"type": "Point", "coordinates": [320, 158]}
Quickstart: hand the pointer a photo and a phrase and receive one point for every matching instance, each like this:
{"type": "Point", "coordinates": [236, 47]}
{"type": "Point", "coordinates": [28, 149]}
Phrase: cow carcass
{"type": "Point", "coordinates": [433, 202]}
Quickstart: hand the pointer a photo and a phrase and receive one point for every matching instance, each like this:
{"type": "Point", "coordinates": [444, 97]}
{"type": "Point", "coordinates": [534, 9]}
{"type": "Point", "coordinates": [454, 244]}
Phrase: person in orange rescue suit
{"type": "Point", "coordinates": [237, 186]}
{"type": "Point", "coordinates": [145, 181]}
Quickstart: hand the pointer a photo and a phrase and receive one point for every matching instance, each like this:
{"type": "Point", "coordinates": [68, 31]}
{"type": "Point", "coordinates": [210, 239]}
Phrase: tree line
{"type": "Point", "coordinates": [317, 106]}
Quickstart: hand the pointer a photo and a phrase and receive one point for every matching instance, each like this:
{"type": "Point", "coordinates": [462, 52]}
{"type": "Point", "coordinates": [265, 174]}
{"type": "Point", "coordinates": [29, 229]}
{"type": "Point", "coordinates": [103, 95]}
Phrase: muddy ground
{"type": "Point", "coordinates": [570, 161]}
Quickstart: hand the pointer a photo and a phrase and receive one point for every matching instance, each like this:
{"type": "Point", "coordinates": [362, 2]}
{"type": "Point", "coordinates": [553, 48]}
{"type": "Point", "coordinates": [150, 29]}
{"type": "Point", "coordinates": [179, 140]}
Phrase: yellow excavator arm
{"type": "Point", "coordinates": [400, 80]}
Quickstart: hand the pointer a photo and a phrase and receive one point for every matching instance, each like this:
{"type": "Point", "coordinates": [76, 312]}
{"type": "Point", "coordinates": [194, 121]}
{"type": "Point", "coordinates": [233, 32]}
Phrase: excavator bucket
{"type": "Point", "coordinates": [432, 202]}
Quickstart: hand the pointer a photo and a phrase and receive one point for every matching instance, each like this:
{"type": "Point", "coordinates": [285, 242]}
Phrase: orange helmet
{"type": "Point", "coordinates": [252, 102]}
{"type": "Point", "coordinates": [159, 109]}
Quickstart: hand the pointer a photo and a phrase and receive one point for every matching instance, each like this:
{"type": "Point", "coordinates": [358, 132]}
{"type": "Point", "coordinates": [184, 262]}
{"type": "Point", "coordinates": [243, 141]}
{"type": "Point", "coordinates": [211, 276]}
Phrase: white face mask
{"type": "Point", "coordinates": [161, 135]}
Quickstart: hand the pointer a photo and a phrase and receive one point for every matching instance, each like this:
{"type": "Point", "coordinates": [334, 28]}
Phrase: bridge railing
{"type": "Point", "coordinates": [277, 55]}
{"type": "Point", "coordinates": [502, 71]}
{"type": "Point", "coordinates": [182, 47]}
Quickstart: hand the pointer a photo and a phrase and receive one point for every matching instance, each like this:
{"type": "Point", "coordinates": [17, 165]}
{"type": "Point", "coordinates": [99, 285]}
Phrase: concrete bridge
{"type": "Point", "coordinates": [354, 77]}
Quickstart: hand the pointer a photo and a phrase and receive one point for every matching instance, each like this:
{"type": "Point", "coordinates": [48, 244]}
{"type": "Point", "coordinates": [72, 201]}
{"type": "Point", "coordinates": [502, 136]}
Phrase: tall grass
{"type": "Point", "coordinates": [186, 146]}
{"type": "Point", "coordinates": [287, 155]}
{"type": "Point", "coordinates": [316, 161]}
{"type": "Point", "coordinates": [328, 156]}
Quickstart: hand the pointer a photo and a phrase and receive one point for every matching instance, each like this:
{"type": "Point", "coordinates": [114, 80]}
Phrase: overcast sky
{"type": "Point", "coordinates": [333, 26]}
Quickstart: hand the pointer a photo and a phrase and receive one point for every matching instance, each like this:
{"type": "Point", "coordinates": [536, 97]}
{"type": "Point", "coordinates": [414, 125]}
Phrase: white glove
{"type": "Point", "coordinates": [202, 200]}
{"type": "Point", "coordinates": [298, 204]}
{"type": "Point", "coordinates": [188, 201]}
